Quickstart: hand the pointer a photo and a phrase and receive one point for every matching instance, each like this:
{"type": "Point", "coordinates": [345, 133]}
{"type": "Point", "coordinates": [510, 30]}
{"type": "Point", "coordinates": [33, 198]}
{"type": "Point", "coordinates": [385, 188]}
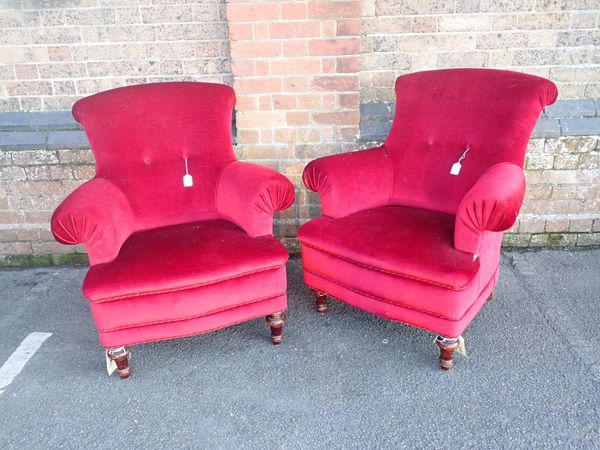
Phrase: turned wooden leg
{"type": "Point", "coordinates": [320, 301]}
{"type": "Point", "coordinates": [276, 322]}
{"type": "Point", "coordinates": [120, 355]}
{"type": "Point", "coordinates": [447, 347]}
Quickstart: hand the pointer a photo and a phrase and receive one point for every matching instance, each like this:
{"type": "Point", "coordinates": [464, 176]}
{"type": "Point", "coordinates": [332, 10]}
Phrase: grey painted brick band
{"type": "Point", "coordinates": [47, 130]}
{"type": "Point", "coordinates": [547, 127]}
{"type": "Point", "coordinates": [377, 110]}
{"type": "Point", "coordinates": [582, 126]}
{"type": "Point", "coordinates": [54, 120]}
{"type": "Point", "coordinates": [374, 130]}
{"type": "Point", "coordinates": [14, 121]}
{"type": "Point", "coordinates": [45, 139]}
{"type": "Point", "coordinates": [40, 130]}
{"type": "Point", "coordinates": [571, 108]}
{"type": "Point", "coordinates": [67, 139]}
{"type": "Point", "coordinates": [21, 140]}
{"type": "Point", "coordinates": [46, 120]}
{"type": "Point", "coordinates": [580, 117]}
{"type": "Point", "coordinates": [58, 129]}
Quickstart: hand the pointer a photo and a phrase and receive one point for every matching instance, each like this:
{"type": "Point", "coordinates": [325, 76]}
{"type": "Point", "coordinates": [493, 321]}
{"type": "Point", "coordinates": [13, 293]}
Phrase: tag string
{"type": "Point", "coordinates": [186, 166]}
{"type": "Point", "coordinates": [464, 153]}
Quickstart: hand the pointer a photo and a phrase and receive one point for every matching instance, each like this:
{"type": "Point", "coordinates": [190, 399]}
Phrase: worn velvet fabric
{"type": "Point", "coordinates": [168, 260]}
{"type": "Point", "coordinates": [402, 237]}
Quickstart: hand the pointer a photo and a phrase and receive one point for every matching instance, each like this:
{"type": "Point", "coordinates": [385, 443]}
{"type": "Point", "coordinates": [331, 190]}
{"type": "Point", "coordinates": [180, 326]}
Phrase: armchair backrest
{"type": "Point", "coordinates": [440, 113]}
{"type": "Point", "coordinates": [141, 135]}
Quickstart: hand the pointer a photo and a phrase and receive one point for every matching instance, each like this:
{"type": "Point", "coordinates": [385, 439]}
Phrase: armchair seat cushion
{"type": "Point", "coordinates": [399, 255]}
{"type": "Point", "coordinates": [184, 271]}
{"type": "Point", "coordinates": [401, 241]}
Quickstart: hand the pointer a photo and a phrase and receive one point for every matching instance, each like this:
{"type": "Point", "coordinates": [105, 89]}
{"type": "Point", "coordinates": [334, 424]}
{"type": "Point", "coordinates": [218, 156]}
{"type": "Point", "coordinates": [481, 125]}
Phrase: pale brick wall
{"type": "Point", "coordinates": [562, 203]}
{"type": "Point", "coordinates": [556, 39]}
{"type": "Point", "coordinates": [53, 52]}
{"type": "Point", "coordinates": [33, 183]}
{"type": "Point", "coordinates": [311, 76]}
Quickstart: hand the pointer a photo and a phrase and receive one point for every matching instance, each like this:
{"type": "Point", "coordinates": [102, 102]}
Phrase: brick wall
{"type": "Point", "coordinates": [33, 184]}
{"type": "Point", "coordinates": [556, 39]}
{"type": "Point", "coordinates": [312, 78]}
{"type": "Point", "coordinates": [562, 204]}
{"type": "Point", "coordinates": [54, 52]}
{"type": "Point", "coordinates": [296, 75]}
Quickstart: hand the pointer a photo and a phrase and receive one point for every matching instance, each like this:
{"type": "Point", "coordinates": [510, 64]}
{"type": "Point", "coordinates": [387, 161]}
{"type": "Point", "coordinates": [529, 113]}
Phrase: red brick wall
{"type": "Point", "coordinates": [295, 68]}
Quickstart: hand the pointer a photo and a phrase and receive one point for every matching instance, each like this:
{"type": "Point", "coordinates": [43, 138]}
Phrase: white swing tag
{"type": "Point", "coordinates": [188, 181]}
{"type": "Point", "coordinates": [111, 366]}
{"type": "Point", "coordinates": [455, 170]}
{"type": "Point", "coordinates": [462, 349]}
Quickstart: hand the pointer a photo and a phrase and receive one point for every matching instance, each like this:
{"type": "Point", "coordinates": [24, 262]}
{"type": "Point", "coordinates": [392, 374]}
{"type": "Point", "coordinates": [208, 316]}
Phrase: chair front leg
{"type": "Point", "coordinates": [120, 356]}
{"type": "Point", "coordinates": [276, 321]}
{"type": "Point", "coordinates": [447, 347]}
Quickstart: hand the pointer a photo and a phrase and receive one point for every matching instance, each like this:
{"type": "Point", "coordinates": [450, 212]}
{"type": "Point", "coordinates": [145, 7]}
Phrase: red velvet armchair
{"type": "Point", "coordinates": [169, 256]}
{"type": "Point", "coordinates": [411, 231]}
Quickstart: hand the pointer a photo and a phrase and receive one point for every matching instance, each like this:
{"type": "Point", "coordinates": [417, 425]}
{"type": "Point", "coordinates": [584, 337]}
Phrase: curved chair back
{"type": "Point", "coordinates": [441, 113]}
{"type": "Point", "coordinates": [142, 136]}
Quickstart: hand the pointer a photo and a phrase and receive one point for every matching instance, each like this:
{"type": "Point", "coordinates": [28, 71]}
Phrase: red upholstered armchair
{"type": "Point", "coordinates": [411, 230]}
{"type": "Point", "coordinates": [167, 259]}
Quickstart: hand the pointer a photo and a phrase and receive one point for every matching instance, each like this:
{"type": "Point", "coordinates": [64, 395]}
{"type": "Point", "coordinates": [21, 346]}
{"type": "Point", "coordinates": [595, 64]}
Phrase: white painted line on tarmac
{"type": "Point", "coordinates": [13, 365]}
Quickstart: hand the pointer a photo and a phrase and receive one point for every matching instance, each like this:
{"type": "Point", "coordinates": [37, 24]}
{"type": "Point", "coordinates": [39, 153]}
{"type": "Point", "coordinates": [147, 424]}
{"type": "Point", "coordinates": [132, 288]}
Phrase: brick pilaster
{"type": "Point", "coordinates": [296, 75]}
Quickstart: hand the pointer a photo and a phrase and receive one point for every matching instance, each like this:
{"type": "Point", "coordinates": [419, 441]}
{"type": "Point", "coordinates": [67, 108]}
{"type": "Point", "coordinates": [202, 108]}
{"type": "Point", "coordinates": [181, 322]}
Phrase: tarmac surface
{"type": "Point", "coordinates": [346, 380]}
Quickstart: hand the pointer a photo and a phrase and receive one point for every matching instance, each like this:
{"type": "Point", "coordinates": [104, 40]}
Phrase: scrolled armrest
{"type": "Point", "coordinates": [350, 182]}
{"type": "Point", "coordinates": [96, 214]}
{"type": "Point", "coordinates": [492, 204]}
{"type": "Point", "coordinates": [248, 195]}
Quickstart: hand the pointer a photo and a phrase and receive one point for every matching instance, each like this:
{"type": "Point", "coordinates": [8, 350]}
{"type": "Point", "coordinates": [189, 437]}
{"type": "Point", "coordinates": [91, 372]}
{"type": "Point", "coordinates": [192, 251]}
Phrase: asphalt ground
{"type": "Point", "coordinates": [346, 380]}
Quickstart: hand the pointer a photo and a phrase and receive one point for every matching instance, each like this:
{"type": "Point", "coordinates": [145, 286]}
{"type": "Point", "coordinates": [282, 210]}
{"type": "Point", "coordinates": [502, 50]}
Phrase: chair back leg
{"type": "Point", "coordinates": [320, 301]}
{"type": "Point", "coordinates": [276, 321]}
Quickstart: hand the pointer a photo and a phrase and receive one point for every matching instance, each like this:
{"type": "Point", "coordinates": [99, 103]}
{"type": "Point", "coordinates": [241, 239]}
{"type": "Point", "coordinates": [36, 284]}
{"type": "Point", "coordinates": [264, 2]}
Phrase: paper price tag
{"type": "Point", "coordinates": [188, 181]}
{"type": "Point", "coordinates": [455, 170]}
{"type": "Point", "coordinates": [111, 366]}
{"type": "Point", "coordinates": [462, 349]}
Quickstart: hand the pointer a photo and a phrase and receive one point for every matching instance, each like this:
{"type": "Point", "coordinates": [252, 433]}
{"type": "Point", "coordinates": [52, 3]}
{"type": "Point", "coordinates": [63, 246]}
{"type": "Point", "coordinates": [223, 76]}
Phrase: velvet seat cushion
{"type": "Point", "coordinates": [406, 242]}
{"type": "Point", "coordinates": [181, 257]}
{"type": "Point", "coordinates": [400, 255]}
{"type": "Point", "coordinates": [183, 272]}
